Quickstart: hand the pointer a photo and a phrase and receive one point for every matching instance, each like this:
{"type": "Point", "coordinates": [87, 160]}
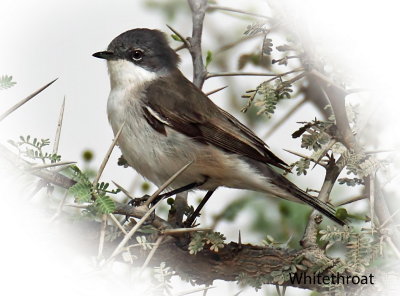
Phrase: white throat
{"type": "Point", "coordinates": [124, 74]}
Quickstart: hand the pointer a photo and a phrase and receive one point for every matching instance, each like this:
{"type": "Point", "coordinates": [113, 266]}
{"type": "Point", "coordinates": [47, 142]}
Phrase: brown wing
{"type": "Point", "coordinates": [192, 113]}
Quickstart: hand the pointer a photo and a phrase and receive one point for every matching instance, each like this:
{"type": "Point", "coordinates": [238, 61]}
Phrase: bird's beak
{"type": "Point", "coordinates": [107, 55]}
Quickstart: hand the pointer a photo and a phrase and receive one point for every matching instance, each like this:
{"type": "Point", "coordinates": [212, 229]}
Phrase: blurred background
{"type": "Point", "coordinates": [43, 40]}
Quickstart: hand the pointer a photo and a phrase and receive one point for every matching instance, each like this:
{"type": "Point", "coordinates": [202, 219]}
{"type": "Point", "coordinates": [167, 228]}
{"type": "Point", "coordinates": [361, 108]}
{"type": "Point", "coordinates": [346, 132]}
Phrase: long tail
{"type": "Point", "coordinates": [291, 192]}
{"type": "Point", "coordinates": [317, 204]}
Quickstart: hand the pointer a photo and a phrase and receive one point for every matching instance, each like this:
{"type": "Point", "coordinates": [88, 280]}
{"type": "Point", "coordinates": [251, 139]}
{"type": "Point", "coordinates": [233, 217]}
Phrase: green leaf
{"type": "Point", "coordinates": [209, 58]}
{"type": "Point", "coordinates": [176, 37]}
{"type": "Point", "coordinates": [6, 82]}
{"type": "Point", "coordinates": [82, 192]}
{"type": "Point", "coordinates": [255, 29]}
{"type": "Point", "coordinates": [105, 204]}
{"type": "Point", "coordinates": [267, 46]}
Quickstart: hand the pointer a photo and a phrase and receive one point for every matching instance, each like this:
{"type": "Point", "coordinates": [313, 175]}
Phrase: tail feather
{"type": "Point", "coordinates": [291, 192]}
{"type": "Point", "coordinates": [317, 204]}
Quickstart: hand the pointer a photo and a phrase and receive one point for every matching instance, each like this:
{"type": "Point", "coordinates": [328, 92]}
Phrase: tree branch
{"type": "Point", "coordinates": [198, 8]}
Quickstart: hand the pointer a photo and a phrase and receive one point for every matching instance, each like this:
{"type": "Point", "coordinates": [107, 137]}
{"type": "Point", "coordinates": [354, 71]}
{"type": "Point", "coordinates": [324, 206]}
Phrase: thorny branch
{"type": "Point", "coordinates": [198, 8]}
{"type": "Point", "coordinates": [228, 264]}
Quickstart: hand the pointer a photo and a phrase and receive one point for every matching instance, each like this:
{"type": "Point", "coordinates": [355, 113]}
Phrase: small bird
{"type": "Point", "coordinates": [170, 122]}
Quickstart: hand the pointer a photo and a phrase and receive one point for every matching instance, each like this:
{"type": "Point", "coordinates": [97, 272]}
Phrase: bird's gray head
{"type": "Point", "coordinates": [139, 54]}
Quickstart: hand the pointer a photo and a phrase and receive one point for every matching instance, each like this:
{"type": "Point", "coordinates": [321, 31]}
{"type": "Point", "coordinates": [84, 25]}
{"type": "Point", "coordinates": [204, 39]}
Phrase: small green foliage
{"type": "Point", "coordinates": [314, 134]}
{"type": "Point", "coordinates": [163, 275]}
{"type": "Point", "coordinates": [35, 149]}
{"type": "Point", "coordinates": [6, 82]}
{"type": "Point", "coordinates": [176, 37]}
{"type": "Point", "coordinates": [197, 243]}
{"type": "Point", "coordinates": [302, 165]}
{"type": "Point", "coordinates": [81, 191]}
{"type": "Point", "coordinates": [256, 28]}
{"type": "Point", "coordinates": [361, 164]}
{"type": "Point", "coordinates": [84, 191]}
{"type": "Point", "coordinates": [214, 240]}
{"type": "Point", "coordinates": [314, 140]}
{"type": "Point", "coordinates": [267, 96]}
{"type": "Point", "coordinates": [143, 243]}
{"type": "Point", "coordinates": [104, 204]}
{"type": "Point", "coordinates": [209, 57]}
{"type": "Point", "coordinates": [267, 46]}
{"type": "Point", "coordinates": [112, 233]}
{"type": "Point", "coordinates": [362, 246]}
{"type": "Point", "coordinates": [351, 182]}
{"type": "Point", "coordinates": [78, 175]}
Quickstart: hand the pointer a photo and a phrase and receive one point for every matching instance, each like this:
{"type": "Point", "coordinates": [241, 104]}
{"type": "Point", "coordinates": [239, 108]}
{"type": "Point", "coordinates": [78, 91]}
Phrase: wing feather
{"type": "Point", "coordinates": [192, 113]}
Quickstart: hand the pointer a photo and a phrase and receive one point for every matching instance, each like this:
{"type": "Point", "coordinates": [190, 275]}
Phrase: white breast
{"type": "Point", "coordinates": [152, 154]}
{"type": "Point", "coordinates": [157, 156]}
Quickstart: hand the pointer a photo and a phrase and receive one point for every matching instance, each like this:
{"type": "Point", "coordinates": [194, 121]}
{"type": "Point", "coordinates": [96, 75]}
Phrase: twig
{"type": "Point", "coordinates": [304, 156]}
{"type": "Point", "coordinates": [380, 151]}
{"type": "Point", "coordinates": [220, 74]}
{"type": "Point", "coordinates": [139, 212]}
{"type": "Point", "coordinates": [372, 197]}
{"type": "Point", "coordinates": [336, 97]}
{"type": "Point", "coordinates": [141, 221]}
{"type": "Point", "coordinates": [183, 230]}
{"type": "Point", "coordinates": [133, 230]}
{"type": "Point", "coordinates": [52, 177]}
{"type": "Point", "coordinates": [60, 207]}
{"type": "Point", "coordinates": [183, 39]}
{"type": "Point", "coordinates": [327, 80]}
{"type": "Point", "coordinates": [58, 131]}
{"type": "Point", "coordinates": [233, 44]}
{"type": "Point", "coordinates": [80, 206]}
{"type": "Point", "coordinates": [284, 118]}
{"type": "Point", "coordinates": [20, 103]}
{"type": "Point", "coordinates": [116, 222]}
{"type": "Point", "coordinates": [126, 192]}
{"type": "Point", "coordinates": [333, 170]}
{"type": "Point", "coordinates": [393, 246]}
{"type": "Point", "coordinates": [198, 8]}
{"type": "Point", "coordinates": [326, 149]}
{"type": "Point", "coordinates": [51, 165]}
{"type": "Point", "coordinates": [390, 218]}
{"type": "Point", "coordinates": [180, 47]}
{"type": "Point", "coordinates": [166, 184]}
{"type": "Point", "coordinates": [224, 8]}
{"type": "Point", "coordinates": [273, 75]}
{"type": "Point", "coordinates": [215, 90]}
{"type": "Point", "coordinates": [107, 156]}
{"type": "Point", "coordinates": [152, 252]}
{"type": "Point", "coordinates": [350, 200]}
{"type": "Point", "coordinates": [102, 235]}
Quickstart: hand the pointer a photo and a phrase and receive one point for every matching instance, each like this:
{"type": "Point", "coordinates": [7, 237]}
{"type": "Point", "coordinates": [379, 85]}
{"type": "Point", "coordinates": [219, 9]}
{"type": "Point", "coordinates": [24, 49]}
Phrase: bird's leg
{"type": "Point", "coordinates": [189, 221]}
{"type": "Point", "coordinates": [177, 191]}
{"type": "Point", "coordinates": [138, 201]}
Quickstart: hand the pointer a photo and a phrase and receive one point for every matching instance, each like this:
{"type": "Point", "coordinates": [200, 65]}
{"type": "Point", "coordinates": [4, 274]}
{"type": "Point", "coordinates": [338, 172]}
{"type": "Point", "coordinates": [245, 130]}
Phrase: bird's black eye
{"type": "Point", "coordinates": [137, 55]}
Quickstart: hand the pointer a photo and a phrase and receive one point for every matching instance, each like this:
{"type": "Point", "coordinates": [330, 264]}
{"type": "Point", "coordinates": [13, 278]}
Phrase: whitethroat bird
{"type": "Point", "coordinates": [169, 122]}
